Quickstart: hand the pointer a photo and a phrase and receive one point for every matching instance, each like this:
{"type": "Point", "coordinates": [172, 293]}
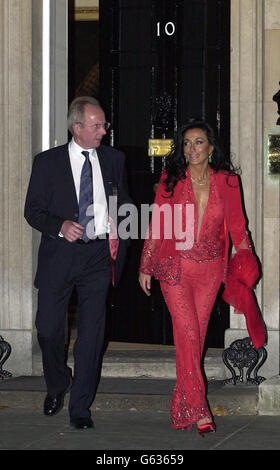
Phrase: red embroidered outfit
{"type": "Point", "coordinates": [190, 276]}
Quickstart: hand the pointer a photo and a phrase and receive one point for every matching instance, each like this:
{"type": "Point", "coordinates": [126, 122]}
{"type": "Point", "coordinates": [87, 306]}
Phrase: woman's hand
{"type": "Point", "coordinates": [145, 282]}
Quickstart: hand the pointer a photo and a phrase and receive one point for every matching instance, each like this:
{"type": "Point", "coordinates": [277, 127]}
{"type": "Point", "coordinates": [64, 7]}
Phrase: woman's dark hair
{"type": "Point", "coordinates": [176, 163]}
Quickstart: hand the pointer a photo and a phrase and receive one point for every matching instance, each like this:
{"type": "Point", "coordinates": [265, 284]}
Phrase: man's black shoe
{"type": "Point", "coordinates": [82, 423]}
{"type": "Point", "coordinates": [52, 405]}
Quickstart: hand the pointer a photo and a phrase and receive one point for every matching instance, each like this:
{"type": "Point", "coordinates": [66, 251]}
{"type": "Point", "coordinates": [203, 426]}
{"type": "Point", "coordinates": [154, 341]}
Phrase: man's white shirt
{"type": "Point", "coordinates": [100, 209]}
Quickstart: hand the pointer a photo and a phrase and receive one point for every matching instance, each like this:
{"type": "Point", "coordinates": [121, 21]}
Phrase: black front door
{"type": "Point", "coordinates": [161, 62]}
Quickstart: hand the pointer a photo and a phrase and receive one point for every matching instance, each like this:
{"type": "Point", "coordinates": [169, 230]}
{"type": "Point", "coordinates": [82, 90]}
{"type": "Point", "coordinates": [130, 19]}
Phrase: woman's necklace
{"type": "Point", "coordinates": [203, 182]}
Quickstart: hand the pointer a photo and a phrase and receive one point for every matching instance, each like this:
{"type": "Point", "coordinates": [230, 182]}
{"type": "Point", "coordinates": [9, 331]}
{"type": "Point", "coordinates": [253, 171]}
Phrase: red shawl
{"type": "Point", "coordinates": [243, 272]}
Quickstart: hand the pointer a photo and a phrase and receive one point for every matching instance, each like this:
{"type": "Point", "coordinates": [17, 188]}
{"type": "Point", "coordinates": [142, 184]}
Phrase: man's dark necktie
{"type": "Point", "coordinates": [86, 198]}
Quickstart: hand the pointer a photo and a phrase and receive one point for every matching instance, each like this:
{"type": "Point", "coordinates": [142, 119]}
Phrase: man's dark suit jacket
{"type": "Point", "coordinates": [51, 199]}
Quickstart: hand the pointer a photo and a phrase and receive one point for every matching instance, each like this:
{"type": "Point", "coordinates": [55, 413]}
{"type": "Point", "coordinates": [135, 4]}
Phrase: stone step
{"type": "Point", "coordinates": [134, 394]}
{"type": "Point", "coordinates": [137, 377]}
{"type": "Point", "coordinates": [142, 377]}
{"type": "Point", "coordinates": [145, 361]}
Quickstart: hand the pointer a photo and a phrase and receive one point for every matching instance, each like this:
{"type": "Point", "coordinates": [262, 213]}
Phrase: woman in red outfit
{"type": "Point", "coordinates": [188, 254]}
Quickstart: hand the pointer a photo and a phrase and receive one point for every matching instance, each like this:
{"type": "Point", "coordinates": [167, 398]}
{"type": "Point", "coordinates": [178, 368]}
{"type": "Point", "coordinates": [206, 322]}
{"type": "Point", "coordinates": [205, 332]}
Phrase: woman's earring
{"type": "Point", "coordinates": [210, 158]}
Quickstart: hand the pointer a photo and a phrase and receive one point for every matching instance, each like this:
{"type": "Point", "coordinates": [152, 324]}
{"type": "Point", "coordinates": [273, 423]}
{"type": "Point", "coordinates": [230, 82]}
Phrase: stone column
{"type": "Point", "coordinates": [271, 191]}
{"type": "Point", "coordinates": [247, 144]}
{"type": "Point", "coordinates": [15, 162]}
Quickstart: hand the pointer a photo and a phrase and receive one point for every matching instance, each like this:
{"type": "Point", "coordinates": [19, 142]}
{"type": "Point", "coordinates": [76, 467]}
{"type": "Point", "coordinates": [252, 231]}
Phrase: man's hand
{"type": "Point", "coordinates": [145, 282]}
{"type": "Point", "coordinates": [72, 230]}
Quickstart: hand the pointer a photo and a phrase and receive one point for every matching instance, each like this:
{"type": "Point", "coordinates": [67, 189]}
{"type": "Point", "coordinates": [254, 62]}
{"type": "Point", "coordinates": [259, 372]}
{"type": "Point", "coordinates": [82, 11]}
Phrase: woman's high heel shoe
{"type": "Point", "coordinates": [205, 428]}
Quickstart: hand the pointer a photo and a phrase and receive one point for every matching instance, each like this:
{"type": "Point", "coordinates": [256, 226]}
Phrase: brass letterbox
{"type": "Point", "coordinates": [159, 147]}
{"type": "Point", "coordinates": [273, 154]}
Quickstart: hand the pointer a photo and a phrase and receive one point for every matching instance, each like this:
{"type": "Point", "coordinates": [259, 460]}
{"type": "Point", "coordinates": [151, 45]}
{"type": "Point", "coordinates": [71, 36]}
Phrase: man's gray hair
{"type": "Point", "coordinates": [76, 110]}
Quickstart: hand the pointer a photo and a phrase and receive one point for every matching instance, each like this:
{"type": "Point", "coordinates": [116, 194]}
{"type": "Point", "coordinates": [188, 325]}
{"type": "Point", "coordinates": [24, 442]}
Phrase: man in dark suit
{"type": "Point", "coordinates": [75, 251]}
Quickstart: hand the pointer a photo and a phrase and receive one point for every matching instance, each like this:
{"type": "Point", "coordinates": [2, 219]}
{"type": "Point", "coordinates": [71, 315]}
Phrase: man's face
{"type": "Point", "coordinates": [86, 134]}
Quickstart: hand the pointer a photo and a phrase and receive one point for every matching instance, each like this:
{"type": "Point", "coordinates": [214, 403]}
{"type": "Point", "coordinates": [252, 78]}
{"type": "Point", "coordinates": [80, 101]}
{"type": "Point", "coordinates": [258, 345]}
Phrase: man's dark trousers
{"type": "Point", "coordinates": [88, 267]}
